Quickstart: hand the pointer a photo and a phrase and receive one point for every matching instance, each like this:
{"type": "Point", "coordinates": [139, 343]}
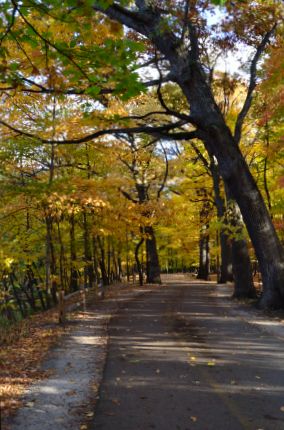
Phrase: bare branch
{"type": "Point", "coordinates": [252, 83]}
{"type": "Point", "coordinates": [200, 156]}
{"type": "Point", "coordinates": [128, 196]}
{"type": "Point", "coordinates": [139, 129]}
{"type": "Point", "coordinates": [9, 26]}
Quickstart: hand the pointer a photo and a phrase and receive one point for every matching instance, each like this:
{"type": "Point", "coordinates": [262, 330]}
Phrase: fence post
{"type": "Point", "coordinates": [61, 308]}
{"type": "Point", "coordinates": [83, 295]}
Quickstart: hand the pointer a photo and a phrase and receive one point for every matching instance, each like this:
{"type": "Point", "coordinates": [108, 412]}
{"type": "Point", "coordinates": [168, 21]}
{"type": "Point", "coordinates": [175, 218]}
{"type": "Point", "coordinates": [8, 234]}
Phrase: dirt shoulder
{"type": "Point", "coordinates": [46, 353]}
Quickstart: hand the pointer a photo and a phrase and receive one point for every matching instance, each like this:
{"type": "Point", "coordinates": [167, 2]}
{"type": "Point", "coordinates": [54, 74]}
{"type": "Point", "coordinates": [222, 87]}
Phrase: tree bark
{"type": "Point", "coordinates": [242, 267]}
{"type": "Point", "coordinates": [102, 262]}
{"type": "Point", "coordinates": [138, 263]}
{"type": "Point", "coordinates": [226, 268]}
{"type": "Point", "coordinates": [89, 277]}
{"type": "Point", "coordinates": [73, 255]}
{"type": "Point", "coordinates": [243, 280]}
{"type": "Point", "coordinates": [186, 70]}
{"type": "Point", "coordinates": [153, 266]}
{"type": "Point", "coordinates": [242, 186]}
{"type": "Point", "coordinates": [50, 260]}
{"type": "Point", "coordinates": [204, 256]}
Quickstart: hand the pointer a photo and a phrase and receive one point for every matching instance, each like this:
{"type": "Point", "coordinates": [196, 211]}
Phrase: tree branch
{"type": "Point", "coordinates": [138, 21]}
{"type": "Point", "coordinates": [252, 83]}
{"type": "Point", "coordinates": [99, 133]}
{"type": "Point", "coordinates": [128, 196]}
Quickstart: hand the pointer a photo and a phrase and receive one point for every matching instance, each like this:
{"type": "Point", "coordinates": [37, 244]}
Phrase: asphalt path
{"type": "Point", "coordinates": [179, 360]}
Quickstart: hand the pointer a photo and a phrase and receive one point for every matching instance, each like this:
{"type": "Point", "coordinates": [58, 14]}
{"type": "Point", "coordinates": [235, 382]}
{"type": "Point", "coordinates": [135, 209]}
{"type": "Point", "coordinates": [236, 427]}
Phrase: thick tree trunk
{"type": "Point", "coordinates": [89, 277]}
{"type": "Point", "coordinates": [138, 263]}
{"type": "Point", "coordinates": [242, 267]}
{"type": "Point", "coordinates": [226, 268]}
{"type": "Point", "coordinates": [187, 71]}
{"type": "Point", "coordinates": [102, 262]}
{"type": "Point", "coordinates": [204, 256]}
{"type": "Point", "coordinates": [153, 266]}
{"type": "Point", "coordinates": [236, 175]}
{"type": "Point", "coordinates": [243, 280]}
{"type": "Point", "coordinates": [73, 256]}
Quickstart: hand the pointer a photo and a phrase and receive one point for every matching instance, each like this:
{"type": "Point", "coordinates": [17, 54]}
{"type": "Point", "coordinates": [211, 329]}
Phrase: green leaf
{"type": "Point", "coordinates": [219, 2]}
{"type": "Point", "coordinates": [93, 91]}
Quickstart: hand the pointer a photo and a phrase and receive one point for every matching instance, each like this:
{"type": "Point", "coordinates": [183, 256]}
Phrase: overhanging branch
{"type": "Point", "coordinates": [127, 130]}
{"type": "Point", "coordinates": [252, 83]}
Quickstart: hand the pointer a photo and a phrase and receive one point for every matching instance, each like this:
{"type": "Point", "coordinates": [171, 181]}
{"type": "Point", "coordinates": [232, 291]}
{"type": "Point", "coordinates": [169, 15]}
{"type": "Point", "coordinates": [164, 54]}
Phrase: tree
{"type": "Point", "coordinates": [143, 163]}
{"type": "Point", "coordinates": [186, 70]}
{"type": "Point", "coordinates": [177, 34]}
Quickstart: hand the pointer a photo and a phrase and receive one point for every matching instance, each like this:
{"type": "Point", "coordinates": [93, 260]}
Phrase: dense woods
{"type": "Point", "coordinates": [127, 148]}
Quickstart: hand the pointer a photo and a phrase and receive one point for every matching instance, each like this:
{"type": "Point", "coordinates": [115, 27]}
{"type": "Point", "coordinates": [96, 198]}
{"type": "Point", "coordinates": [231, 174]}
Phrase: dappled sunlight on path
{"type": "Point", "coordinates": [178, 360]}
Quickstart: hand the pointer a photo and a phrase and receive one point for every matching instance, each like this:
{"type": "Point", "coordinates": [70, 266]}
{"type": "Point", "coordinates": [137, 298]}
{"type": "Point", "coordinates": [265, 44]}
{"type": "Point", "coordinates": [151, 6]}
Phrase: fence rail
{"type": "Point", "coordinates": [71, 302]}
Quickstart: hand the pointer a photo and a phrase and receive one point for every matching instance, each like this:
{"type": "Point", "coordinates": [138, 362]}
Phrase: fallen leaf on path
{"type": "Point", "coordinates": [83, 427]}
{"type": "Point", "coordinates": [30, 404]}
{"type": "Point", "coordinates": [158, 371]}
{"type": "Point", "coordinates": [211, 363]}
{"type": "Point", "coordinates": [116, 402]}
{"type": "Point", "coordinates": [95, 386]}
{"type": "Point", "coordinates": [282, 409]}
{"type": "Point", "coordinates": [71, 393]}
{"type": "Point", "coordinates": [90, 414]}
{"type": "Point", "coordinates": [194, 419]}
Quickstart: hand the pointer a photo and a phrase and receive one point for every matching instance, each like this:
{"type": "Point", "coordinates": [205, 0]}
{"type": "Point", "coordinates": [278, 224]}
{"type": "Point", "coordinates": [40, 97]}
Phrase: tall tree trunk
{"type": "Point", "coordinates": [242, 267]}
{"type": "Point", "coordinates": [127, 257]}
{"type": "Point", "coordinates": [73, 255]}
{"type": "Point", "coordinates": [153, 266]}
{"type": "Point", "coordinates": [102, 261]}
{"type": "Point", "coordinates": [243, 280]}
{"type": "Point", "coordinates": [108, 261]}
{"type": "Point", "coordinates": [187, 71]}
{"type": "Point", "coordinates": [51, 275]}
{"type": "Point", "coordinates": [226, 268]}
{"type": "Point", "coordinates": [236, 175]}
{"type": "Point", "coordinates": [61, 259]}
{"type": "Point", "coordinates": [138, 263]}
{"type": "Point", "coordinates": [88, 269]}
{"type": "Point", "coordinates": [204, 256]}
{"type": "Point", "coordinates": [95, 259]}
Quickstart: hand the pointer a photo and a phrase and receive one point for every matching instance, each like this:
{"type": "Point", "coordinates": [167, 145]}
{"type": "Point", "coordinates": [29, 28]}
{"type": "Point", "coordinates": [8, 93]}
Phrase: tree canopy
{"type": "Point", "coordinates": [126, 146]}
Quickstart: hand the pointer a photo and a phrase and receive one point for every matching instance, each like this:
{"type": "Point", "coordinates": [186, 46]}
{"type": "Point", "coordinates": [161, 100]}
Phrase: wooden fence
{"type": "Point", "coordinates": [71, 301]}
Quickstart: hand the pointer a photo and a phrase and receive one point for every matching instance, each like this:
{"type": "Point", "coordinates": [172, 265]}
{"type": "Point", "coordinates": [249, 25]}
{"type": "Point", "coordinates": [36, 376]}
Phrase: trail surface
{"type": "Point", "coordinates": [179, 360]}
{"type": "Point", "coordinates": [65, 399]}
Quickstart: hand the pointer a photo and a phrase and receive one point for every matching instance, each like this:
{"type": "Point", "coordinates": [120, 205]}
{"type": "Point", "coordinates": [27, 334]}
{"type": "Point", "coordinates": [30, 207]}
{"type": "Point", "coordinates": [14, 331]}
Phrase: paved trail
{"type": "Point", "coordinates": [177, 360]}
